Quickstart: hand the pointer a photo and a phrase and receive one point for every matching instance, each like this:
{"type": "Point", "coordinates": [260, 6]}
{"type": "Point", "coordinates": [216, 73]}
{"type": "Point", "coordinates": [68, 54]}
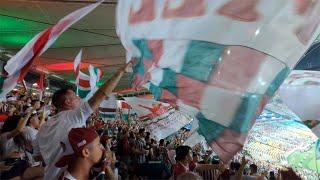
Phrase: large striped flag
{"type": "Point", "coordinates": [219, 60]}
{"type": "Point", "coordinates": [125, 111]}
{"type": "Point", "coordinates": [18, 66]}
{"type": "Point", "coordinates": [86, 85]}
{"type": "Point", "coordinates": [108, 108]}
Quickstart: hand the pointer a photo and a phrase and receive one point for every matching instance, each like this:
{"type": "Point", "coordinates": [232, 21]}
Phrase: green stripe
{"type": "Point", "coordinates": [103, 115]}
{"type": "Point", "coordinates": [96, 70]}
{"type": "Point", "coordinates": [245, 113]}
{"type": "Point", "coordinates": [201, 59]}
{"type": "Point", "coordinates": [169, 81]}
{"type": "Point", "coordinates": [146, 55]}
{"type": "Point", "coordinates": [142, 45]}
{"type": "Point", "coordinates": [209, 129]}
{"type": "Point", "coordinates": [82, 93]}
{"type": "Point", "coordinates": [156, 91]}
{"type": "Point", "coordinates": [278, 80]}
{"type": "Point", "coordinates": [2, 79]}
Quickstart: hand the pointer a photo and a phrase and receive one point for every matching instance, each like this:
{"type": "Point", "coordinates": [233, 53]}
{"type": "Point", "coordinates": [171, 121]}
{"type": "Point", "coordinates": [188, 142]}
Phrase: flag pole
{"type": "Point", "coordinates": [41, 95]}
{"type": "Point", "coordinates": [25, 85]}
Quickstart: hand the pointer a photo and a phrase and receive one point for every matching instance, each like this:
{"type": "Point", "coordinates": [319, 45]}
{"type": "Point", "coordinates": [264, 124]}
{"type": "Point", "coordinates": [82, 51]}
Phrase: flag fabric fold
{"type": "Point", "coordinates": [221, 61]}
{"type": "Point", "coordinates": [18, 66]}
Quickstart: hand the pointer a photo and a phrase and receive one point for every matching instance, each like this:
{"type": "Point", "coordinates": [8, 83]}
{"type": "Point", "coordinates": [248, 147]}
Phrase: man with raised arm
{"type": "Point", "coordinates": [71, 113]}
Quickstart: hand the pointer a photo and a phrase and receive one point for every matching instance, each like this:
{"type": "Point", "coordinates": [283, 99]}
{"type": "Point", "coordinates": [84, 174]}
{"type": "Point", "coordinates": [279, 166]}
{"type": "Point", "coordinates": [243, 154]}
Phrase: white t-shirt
{"type": "Point", "coordinates": [56, 130]}
{"type": "Point", "coordinates": [30, 133]}
{"type": "Point", "coordinates": [67, 175]}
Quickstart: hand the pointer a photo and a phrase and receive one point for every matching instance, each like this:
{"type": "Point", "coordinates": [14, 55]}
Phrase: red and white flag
{"type": "Point", "coordinates": [18, 66]}
{"type": "Point", "coordinates": [86, 85]}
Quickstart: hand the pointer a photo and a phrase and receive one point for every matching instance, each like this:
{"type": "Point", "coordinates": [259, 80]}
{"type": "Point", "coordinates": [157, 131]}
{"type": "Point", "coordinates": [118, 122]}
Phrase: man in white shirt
{"type": "Point", "coordinates": [31, 130]}
{"type": "Point", "coordinates": [72, 113]}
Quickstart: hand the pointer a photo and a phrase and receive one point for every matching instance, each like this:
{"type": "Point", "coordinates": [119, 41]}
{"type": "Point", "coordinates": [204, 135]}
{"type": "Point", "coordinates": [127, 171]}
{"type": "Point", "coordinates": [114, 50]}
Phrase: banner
{"type": "Point", "coordinates": [168, 125]}
{"type": "Point", "coordinates": [148, 109]}
{"type": "Point", "coordinates": [222, 59]}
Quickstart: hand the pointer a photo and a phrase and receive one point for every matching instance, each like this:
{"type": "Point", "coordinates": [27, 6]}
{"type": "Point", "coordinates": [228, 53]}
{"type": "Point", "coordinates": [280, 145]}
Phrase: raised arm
{"type": "Point", "coordinates": [43, 117]}
{"type": "Point", "coordinates": [22, 123]}
{"type": "Point", "coordinates": [107, 88]}
{"type": "Point", "coordinates": [239, 173]}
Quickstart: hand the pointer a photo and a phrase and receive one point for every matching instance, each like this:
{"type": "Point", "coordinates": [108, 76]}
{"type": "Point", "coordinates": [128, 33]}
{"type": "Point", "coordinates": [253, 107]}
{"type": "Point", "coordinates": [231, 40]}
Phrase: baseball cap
{"type": "Point", "coordinates": [78, 139]}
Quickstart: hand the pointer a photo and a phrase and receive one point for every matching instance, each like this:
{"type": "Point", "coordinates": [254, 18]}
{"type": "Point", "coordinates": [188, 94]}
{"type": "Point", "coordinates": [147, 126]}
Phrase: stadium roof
{"type": "Point", "coordinates": [20, 20]}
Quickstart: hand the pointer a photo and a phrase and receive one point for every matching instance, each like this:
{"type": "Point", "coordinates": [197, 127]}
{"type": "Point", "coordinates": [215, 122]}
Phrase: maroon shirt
{"type": "Point", "coordinates": [179, 169]}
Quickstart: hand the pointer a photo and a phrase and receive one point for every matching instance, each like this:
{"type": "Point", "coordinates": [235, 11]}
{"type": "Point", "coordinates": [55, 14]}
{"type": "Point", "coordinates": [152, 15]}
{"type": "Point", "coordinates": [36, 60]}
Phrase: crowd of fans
{"type": "Point", "coordinates": [132, 151]}
{"type": "Point", "coordinates": [68, 140]}
{"type": "Point", "coordinates": [271, 142]}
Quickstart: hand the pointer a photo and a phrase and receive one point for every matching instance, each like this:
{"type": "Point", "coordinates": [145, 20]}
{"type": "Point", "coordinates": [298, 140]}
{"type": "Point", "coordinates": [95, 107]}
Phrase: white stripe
{"type": "Point", "coordinates": [156, 75]}
{"type": "Point", "coordinates": [217, 111]}
{"type": "Point", "coordinates": [93, 78]}
{"type": "Point", "coordinates": [173, 50]}
{"type": "Point", "coordinates": [77, 61]}
{"type": "Point", "coordinates": [84, 88]}
{"type": "Point", "coordinates": [111, 102]}
{"type": "Point", "coordinates": [84, 76]}
{"type": "Point", "coordinates": [265, 76]}
{"type": "Point", "coordinates": [9, 83]}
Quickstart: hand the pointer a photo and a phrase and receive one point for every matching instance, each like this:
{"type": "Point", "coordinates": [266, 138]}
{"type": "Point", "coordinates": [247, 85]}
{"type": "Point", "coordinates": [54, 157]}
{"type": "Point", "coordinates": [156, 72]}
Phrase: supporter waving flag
{"type": "Point", "coordinates": [220, 60]}
{"type": "Point", "coordinates": [18, 66]}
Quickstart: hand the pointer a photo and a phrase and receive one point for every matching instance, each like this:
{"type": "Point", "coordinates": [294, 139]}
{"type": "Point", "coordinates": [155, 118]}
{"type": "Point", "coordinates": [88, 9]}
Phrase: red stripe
{"type": "Point", "coordinates": [125, 105]}
{"type": "Point", "coordinates": [37, 48]}
{"type": "Point", "coordinates": [189, 8]}
{"type": "Point", "coordinates": [244, 10]}
{"type": "Point", "coordinates": [77, 70]}
{"type": "Point", "coordinates": [101, 73]}
{"type": "Point", "coordinates": [145, 13]}
{"type": "Point", "coordinates": [107, 109]}
{"type": "Point", "coordinates": [168, 97]}
{"type": "Point", "coordinates": [84, 83]}
{"type": "Point", "coordinates": [237, 70]}
{"type": "Point", "coordinates": [156, 47]}
{"type": "Point", "coordinates": [186, 91]}
{"type": "Point", "coordinates": [41, 82]}
{"type": "Point", "coordinates": [228, 144]}
{"type": "Point", "coordinates": [61, 25]}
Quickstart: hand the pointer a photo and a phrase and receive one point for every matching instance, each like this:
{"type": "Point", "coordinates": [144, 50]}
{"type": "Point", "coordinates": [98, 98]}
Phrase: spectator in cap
{"type": "Point", "coordinates": [87, 152]}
